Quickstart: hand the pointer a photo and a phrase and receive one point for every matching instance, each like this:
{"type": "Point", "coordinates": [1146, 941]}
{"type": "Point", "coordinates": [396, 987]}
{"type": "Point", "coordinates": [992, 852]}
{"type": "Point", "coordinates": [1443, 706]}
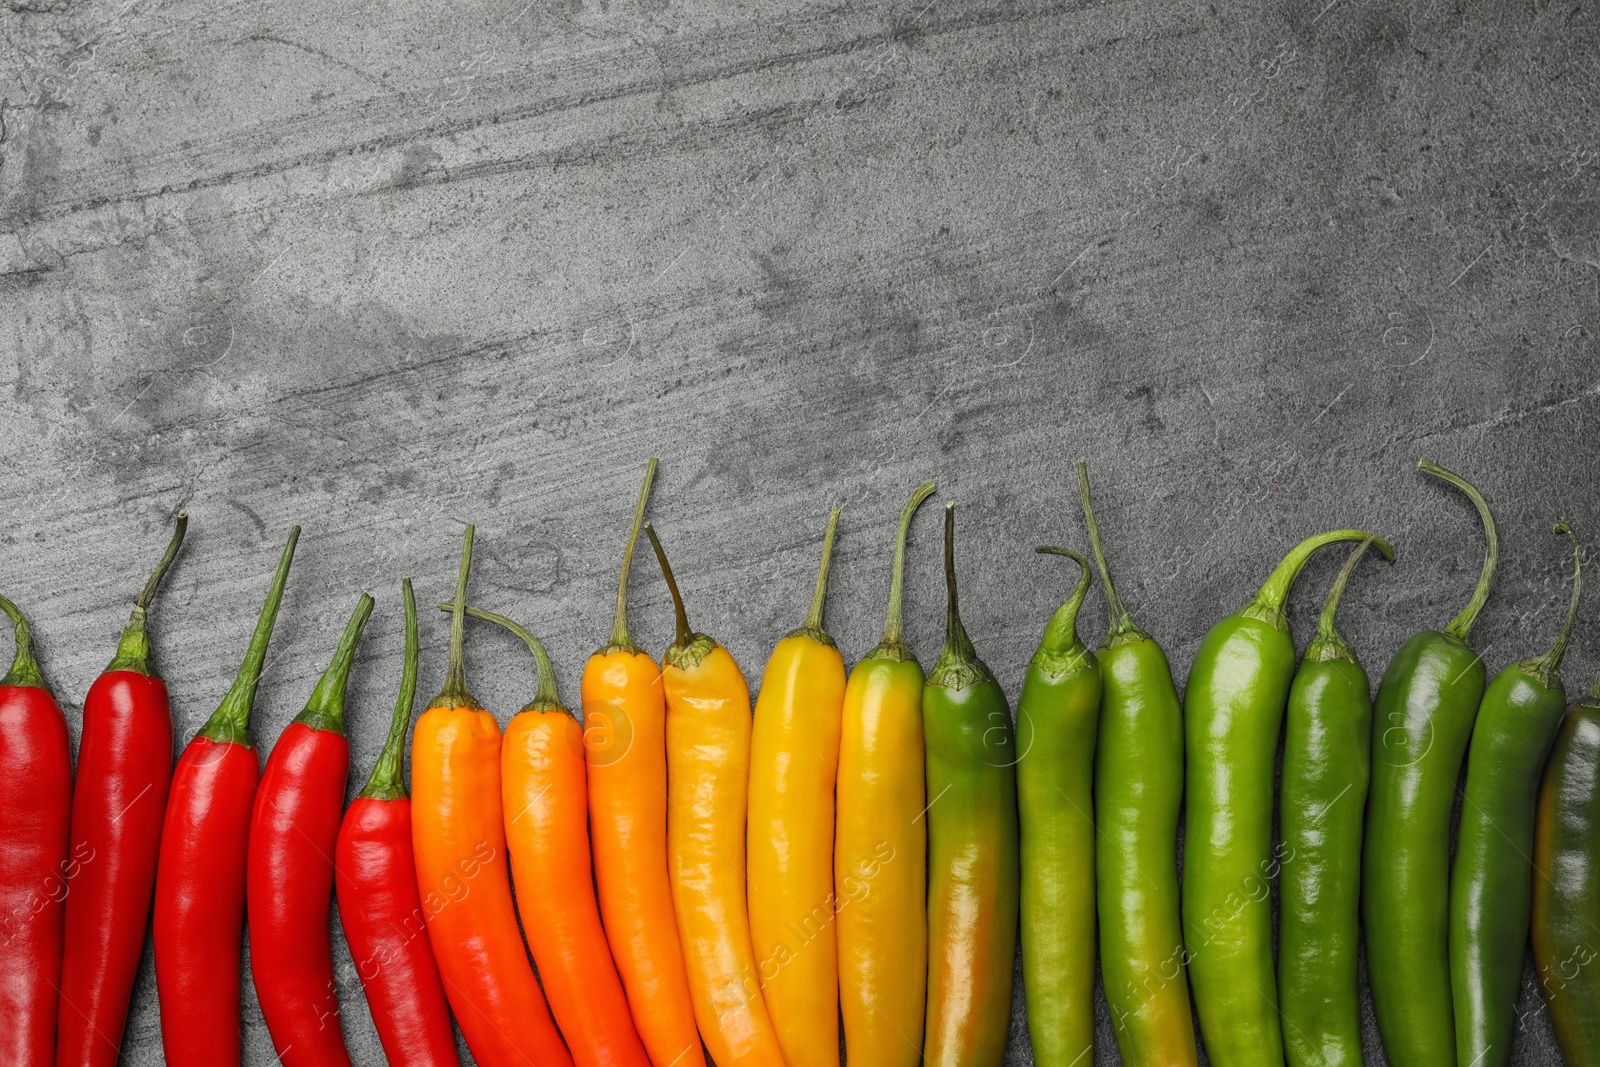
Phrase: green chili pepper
{"type": "Point", "coordinates": [1233, 713]}
{"type": "Point", "coordinates": [1491, 884]}
{"type": "Point", "coordinates": [1326, 761]}
{"type": "Point", "coordinates": [1057, 715]}
{"type": "Point", "coordinates": [1566, 887]}
{"type": "Point", "coordinates": [1422, 721]}
{"type": "Point", "coordinates": [1138, 791]}
{"type": "Point", "coordinates": [972, 849]}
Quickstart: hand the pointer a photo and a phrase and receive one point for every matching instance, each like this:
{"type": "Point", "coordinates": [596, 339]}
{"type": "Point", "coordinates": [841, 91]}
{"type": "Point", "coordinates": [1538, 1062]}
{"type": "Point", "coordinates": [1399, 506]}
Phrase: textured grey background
{"type": "Point", "coordinates": [383, 269]}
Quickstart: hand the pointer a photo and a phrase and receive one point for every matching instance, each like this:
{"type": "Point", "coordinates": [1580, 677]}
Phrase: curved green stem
{"type": "Point", "coordinates": [1548, 667]}
{"type": "Point", "coordinates": [325, 708]}
{"type": "Point", "coordinates": [230, 723]}
{"type": "Point", "coordinates": [812, 627]}
{"type": "Point", "coordinates": [893, 644]}
{"type": "Point", "coordinates": [1329, 644]}
{"type": "Point", "coordinates": [133, 650]}
{"type": "Point", "coordinates": [1267, 604]}
{"type": "Point", "coordinates": [688, 648]}
{"type": "Point", "coordinates": [388, 781]}
{"type": "Point", "coordinates": [621, 641]}
{"type": "Point", "coordinates": [546, 698]}
{"type": "Point", "coordinates": [682, 617]}
{"type": "Point", "coordinates": [455, 693]}
{"type": "Point", "coordinates": [1461, 625]}
{"type": "Point", "coordinates": [1061, 632]}
{"type": "Point", "coordinates": [958, 666]}
{"type": "Point", "coordinates": [24, 667]}
{"type": "Point", "coordinates": [1121, 626]}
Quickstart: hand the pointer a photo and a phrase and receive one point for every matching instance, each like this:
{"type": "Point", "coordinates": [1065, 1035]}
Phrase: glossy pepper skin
{"type": "Point", "coordinates": [1327, 756]}
{"type": "Point", "coordinates": [198, 920]}
{"type": "Point", "coordinates": [458, 834]}
{"type": "Point", "coordinates": [794, 763]}
{"type": "Point", "coordinates": [625, 746]}
{"type": "Point", "coordinates": [880, 873]}
{"type": "Point", "coordinates": [293, 831]}
{"type": "Point", "coordinates": [1491, 882]}
{"type": "Point", "coordinates": [542, 781]}
{"type": "Point", "coordinates": [1566, 886]}
{"type": "Point", "coordinates": [1057, 719]}
{"type": "Point", "coordinates": [708, 773]}
{"type": "Point", "coordinates": [973, 848]}
{"type": "Point", "coordinates": [118, 802]}
{"type": "Point", "coordinates": [375, 881]}
{"type": "Point", "coordinates": [1422, 721]}
{"type": "Point", "coordinates": [1233, 713]}
{"type": "Point", "coordinates": [1138, 792]}
{"type": "Point", "coordinates": [36, 864]}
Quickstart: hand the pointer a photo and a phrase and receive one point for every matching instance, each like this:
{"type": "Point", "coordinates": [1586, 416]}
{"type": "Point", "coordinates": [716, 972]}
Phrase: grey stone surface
{"type": "Point", "coordinates": [382, 269]}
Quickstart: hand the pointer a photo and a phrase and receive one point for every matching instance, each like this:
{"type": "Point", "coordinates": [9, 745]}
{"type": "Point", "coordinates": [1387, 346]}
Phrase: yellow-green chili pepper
{"type": "Point", "coordinates": [972, 849]}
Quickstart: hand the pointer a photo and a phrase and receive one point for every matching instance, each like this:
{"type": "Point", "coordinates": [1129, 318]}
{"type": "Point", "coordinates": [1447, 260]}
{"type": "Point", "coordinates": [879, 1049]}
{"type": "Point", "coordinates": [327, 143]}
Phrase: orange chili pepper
{"type": "Point", "coordinates": [460, 843]}
{"type": "Point", "coordinates": [708, 771]}
{"type": "Point", "coordinates": [625, 745]}
{"type": "Point", "coordinates": [542, 784]}
{"type": "Point", "coordinates": [880, 846]}
{"type": "Point", "coordinates": [794, 760]}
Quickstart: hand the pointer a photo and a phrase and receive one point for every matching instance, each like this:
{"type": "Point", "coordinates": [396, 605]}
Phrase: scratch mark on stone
{"type": "Point", "coordinates": [1090, 247]}
{"type": "Point", "coordinates": [1516, 415]}
{"type": "Point", "coordinates": [137, 397]}
{"type": "Point", "coordinates": [269, 267]}
{"type": "Point", "coordinates": [668, 269]}
{"type": "Point", "coordinates": [1469, 266]}
{"type": "Point", "coordinates": [331, 60]}
{"type": "Point", "coordinates": [497, 113]}
{"type": "Point", "coordinates": [1332, 402]}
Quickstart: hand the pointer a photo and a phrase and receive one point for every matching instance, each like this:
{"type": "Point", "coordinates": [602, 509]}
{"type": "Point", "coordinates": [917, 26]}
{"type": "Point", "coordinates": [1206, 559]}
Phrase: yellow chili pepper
{"type": "Point", "coordinates": [708, 772]}
{"type": "Point", "coordinates": [880, 873]}
{"type": "Point", "coordinates": [794, 759]}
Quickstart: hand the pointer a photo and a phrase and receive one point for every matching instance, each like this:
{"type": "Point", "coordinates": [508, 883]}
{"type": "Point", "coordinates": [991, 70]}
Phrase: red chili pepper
{"type": "Point", "coordinates": [292, 835]}
{"type": "Point", "coordinates": [35, 867]}
{"type": "Point", "coordinates": [124, 767]}
{"type": "Point", "coordinates": [199, 909]}
{"type": "Point", "coordinates": [379, 906]}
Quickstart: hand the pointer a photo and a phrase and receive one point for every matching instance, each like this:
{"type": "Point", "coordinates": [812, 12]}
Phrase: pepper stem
{"type": "Point", "coordinates": [325, 708]}
{"type": "Point", "coordinates": [455, 693]}
{"type": "Point", "coordinates": [230, 723]}
{"type": "Point", "coordinates": [688, 648]}
{"type": "Point", "coordinates": [1061, 632]}
{"type": "Point", "coordinates": [1592, 698]}
{"type": "Point", "coordinates": [812, 627]}
{"type": "Point", "coordinates": [388, 780]}
{"type": "Point", "coordinates": [1329, 644]}
{"type": "Point", "coordinates": [1267, 604]}
{"type": "Point", "coordinates": [955, 636]}
{"type": "Point", "coordinates": [24, 668]}
{"type": "Point", "coordinates": [1549, 665]}
{"type": "Point", "coordinates": [1461, 626]}
{"type": "Point", "coordinates": [958, 666]}
{"type": "Point", "coordinates": [620, 639]}
{"type": "Point", "coordinates": [133, 650]}
{"type": "Point", "coordinates": [1121, 626]}
{"type": "Point", "coordinates": [893, 645]}
{"type": "Point", "coordinates": [546, 698]}
{"type": "Point", "coordinates": [684, 633]}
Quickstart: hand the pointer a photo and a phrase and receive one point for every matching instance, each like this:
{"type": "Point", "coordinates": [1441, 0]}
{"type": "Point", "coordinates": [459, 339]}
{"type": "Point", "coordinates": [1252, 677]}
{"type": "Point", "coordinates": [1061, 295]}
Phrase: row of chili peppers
{"type": "Point", "coordinates": [735, 915]}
